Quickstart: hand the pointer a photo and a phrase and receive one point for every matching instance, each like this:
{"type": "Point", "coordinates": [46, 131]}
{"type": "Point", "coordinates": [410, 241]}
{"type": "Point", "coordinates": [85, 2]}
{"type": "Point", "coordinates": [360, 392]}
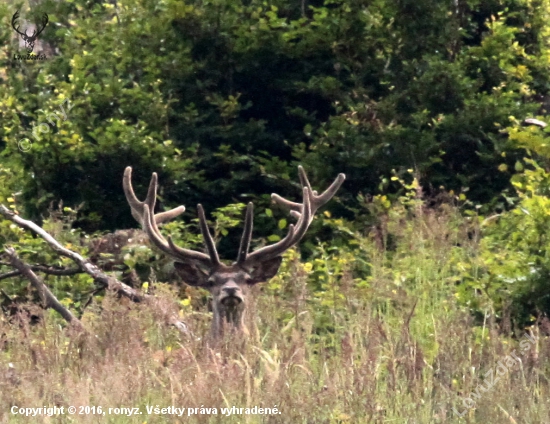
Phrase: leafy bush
{"type": "Point", "coordinates": [221, 98]}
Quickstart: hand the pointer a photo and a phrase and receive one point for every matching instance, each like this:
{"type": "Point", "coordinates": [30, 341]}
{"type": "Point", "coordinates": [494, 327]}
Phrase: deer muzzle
{"type": "Point", "coordinates": [231, 295]}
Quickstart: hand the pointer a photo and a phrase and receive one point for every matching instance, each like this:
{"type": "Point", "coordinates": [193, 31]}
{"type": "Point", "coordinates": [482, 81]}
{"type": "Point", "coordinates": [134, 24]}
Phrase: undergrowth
{"type": "Point", "coordinates": [376, 332]}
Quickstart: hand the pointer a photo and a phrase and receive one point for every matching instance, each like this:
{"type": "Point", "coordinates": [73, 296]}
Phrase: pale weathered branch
{"type": "Point", "coordinates": [44, 269]}
{"type": "Point", "coordinates": [47, 297]}
{"type": "Point", "coordinates": [102, 279]}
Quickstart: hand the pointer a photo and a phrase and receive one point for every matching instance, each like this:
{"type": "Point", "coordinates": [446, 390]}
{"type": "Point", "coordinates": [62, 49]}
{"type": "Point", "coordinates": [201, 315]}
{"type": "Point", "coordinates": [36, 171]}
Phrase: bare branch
{"type": "Point", "coordinates": [48, 298]}
{"type": "Point", "coordinates": [9, 275]}
{"type": "Point", "coordinates": [56, 271]}
{"type": "Point", "coordinates": [45, 270]}
{"type": "Point", "coordinates": [102, 279]}
{"type": "Point", "coordinates": [8, 298]}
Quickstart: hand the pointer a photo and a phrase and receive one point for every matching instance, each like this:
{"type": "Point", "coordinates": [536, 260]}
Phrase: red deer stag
{"type": "Point", "coordinates": [228, 284]}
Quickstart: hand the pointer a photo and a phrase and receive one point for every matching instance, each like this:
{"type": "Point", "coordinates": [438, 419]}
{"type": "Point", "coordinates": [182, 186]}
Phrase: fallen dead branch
{"type": "Point", "coordinates": [47, 297]}
{"type": "Point", "coordinates": [41, 268]}
{"type": "Point", "coordinates": [100, 278]}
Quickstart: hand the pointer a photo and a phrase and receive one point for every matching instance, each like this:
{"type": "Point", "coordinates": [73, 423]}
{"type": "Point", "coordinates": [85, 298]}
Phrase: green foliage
{"type": "Point", "coordinates": [515, 250]}
{"type": "Point", "coordinates": [378, 302]}
{"type": "Point", "coordinates": [221, 97]}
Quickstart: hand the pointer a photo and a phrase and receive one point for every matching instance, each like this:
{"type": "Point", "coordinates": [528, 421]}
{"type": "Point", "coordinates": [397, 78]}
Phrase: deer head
{"type": "Point", "coordinates": [228, 284]}
{"type": "Point", "coordinates": [29, 39]}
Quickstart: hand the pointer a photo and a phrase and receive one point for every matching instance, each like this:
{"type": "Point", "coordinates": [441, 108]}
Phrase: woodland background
{"type": "Point", "coordinates": [422, 273]}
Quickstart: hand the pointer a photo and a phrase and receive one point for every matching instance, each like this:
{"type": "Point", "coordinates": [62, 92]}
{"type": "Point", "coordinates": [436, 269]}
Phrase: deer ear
{"type": "Point", "coordinates": [265, 270]}
{"type": "Point", "coordinates": [191, 274]}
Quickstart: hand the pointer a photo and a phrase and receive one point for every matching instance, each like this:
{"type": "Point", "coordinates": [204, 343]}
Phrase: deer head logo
{"type": "Point", "coordinates": [29, 39]}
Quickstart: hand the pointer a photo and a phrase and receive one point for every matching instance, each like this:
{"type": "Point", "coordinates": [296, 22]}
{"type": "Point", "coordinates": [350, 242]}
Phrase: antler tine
{"type": "Point", "coordinates": [305, 218]}
{"type": "Point", "coordinates": [295, 208]}
{"type": "Point", "coordinates": [273, 250]}
{"type": "Point", "coordinates": [247, 234]}
{"type": "Point", "coordinates": [304, 211]}
{"type": "Point", "coordinates": [185, 255]}
{"type": "Point", "coordinates": [14, 19]}
{"type": "Point", "coordinates": [168, 215]}
{"type": "Point", "coordinates": [137, 207]}
{"type": "Point", "coordinates": [317, 201]}
{"type": "Point", "coordinates": [152, 231]}
{"type": "Point", "coordinates": [45, 21]}
{"type": "Point", "coordinates": [329, 193]}
{"type": "Point", "coordinates": [293, 236]}
{"type": "Point", "coordinates": [208, 240]}
{"type": "Point", "coordinates": [304, 180]}
{"type": "Point", "coordinates": [143, 212]}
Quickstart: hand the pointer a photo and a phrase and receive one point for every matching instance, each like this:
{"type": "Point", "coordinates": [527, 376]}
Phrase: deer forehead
{"type": "Point", "coordinates": [226, 276]}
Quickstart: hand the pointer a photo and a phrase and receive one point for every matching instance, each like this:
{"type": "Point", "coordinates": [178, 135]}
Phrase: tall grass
{"type": "Point", "coordinates": [369, 335]}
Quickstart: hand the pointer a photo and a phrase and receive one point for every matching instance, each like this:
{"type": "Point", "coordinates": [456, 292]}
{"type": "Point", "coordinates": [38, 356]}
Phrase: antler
{"type": "Point", "coordinates": [304, 211]}
{"type": "Point", "coordinates": [45, 21]}
{"type": "Point", "coordinates": [316, 200]}
{"type": "Point", "coordinates": [143, 212]}
{"type": "Point", "coordinates": [14, 19]}
{"type": "Point", "coordinates": [137, 207]}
